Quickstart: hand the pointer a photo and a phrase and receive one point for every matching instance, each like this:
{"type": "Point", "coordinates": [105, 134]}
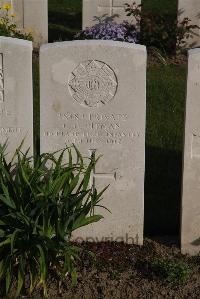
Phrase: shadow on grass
{"type": "Point", "coordinates": [162, 191]}
{"type": "Point", "coordinates": [36, 105]}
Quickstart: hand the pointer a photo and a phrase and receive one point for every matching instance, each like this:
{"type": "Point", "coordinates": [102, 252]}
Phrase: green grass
{"type": "Point", "coordinates": [165, 103]}
{"type": "Point", "coordinates": [165, 119]}
{"type": "Point", "coordinates": [174, 272]}
{"type": "Point", "coordinates": [164, 144]}
{"type": "Point", "coordinates": [65, 19]}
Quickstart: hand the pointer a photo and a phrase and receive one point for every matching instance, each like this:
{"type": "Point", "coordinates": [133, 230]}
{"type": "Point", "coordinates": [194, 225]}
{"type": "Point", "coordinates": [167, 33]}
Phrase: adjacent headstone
{"type": "Point", "coordinates": [16, 93]}
{"type": "Point", "coordinates": [190, 234]}
{"type": "Point", "coordinates": [93, 95]}
{"type": "Point", "coordinates": [93, 10]}
{"type": "Point", "coordinates": [31, 15]}
{"type": "Point", "coordinates": [191, 9]}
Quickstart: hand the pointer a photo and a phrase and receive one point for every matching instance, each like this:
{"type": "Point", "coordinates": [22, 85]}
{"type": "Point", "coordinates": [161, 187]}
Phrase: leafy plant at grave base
{"type": "Point", "coordinates": [40, 207]}
{"type": "Point", "coordinates": [161, 31]}
{"type": "Point", "coordinates": [174, 272]}
{"type": "Point", "coordinates": [107, 30]}
{"type": "Point", "coordinates": [8, 26]}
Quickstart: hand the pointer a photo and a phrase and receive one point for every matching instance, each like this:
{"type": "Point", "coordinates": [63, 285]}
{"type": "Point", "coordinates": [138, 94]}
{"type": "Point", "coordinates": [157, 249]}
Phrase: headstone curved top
{"type": "Point", "coordinates": [93, 95]}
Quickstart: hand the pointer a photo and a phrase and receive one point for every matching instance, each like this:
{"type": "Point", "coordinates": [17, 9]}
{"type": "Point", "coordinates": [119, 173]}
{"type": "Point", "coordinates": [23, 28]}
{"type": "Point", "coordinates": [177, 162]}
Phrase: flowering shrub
{"type": "Point", "coordinates": [163, 32]}
{"type": "Point", "coordinates": [8, 26]}
{"type": "Point", "coordinates": [110, 31]}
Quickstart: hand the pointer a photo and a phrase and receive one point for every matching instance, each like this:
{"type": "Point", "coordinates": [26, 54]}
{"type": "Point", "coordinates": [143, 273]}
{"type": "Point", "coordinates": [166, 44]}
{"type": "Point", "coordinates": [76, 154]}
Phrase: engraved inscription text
{"type": "Point", "coordinates": [93, 128]}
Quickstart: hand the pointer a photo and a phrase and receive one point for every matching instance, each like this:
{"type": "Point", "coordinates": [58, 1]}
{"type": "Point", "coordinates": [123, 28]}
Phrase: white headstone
{"type": "Point", "coordinates": [191, 176]}
{"type": "Point", "coordinates": [93, 9]}
{"type": "Point", "coordinates": [93, 94]}
{"type": "Point", "coordinates": [191, 9]}
{"type": "Point", "coordinates": [31, 15]}
{"type": "Point", "coordinates": [16, 93]}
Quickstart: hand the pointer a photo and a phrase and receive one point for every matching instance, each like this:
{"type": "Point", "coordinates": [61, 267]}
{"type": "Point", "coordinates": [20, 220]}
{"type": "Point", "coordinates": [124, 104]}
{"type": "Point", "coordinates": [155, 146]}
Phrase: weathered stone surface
{"type": "Point", "coordinates": [191, 9]}
{"type": "Point", "coordinates": [31, 15]}
{"type": "Point", "coordinates": [191, 176]}
{"type": "Point", "coordinates": [16, 93]}
{"type": "Point", "coordinates": [99, 8]}
{"type": "Point", "coordinates": [93, 94]}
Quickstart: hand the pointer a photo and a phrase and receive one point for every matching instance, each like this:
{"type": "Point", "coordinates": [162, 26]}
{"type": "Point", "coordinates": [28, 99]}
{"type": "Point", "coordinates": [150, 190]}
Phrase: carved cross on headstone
{"type": "Point", "coordinates": [94, 175]}
{"type": "Point", "coordinates": [111, 5]}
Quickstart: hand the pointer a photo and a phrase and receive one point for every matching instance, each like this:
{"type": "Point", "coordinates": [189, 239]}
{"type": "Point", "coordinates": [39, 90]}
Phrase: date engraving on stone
{"type": "Point", "coordinates": [93, 84]}
{"type": "Point", "coordinates": [1, 79]}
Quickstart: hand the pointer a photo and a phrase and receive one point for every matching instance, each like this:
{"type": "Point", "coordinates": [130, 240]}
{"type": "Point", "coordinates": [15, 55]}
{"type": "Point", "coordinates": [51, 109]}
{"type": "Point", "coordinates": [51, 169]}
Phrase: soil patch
{"type": "Point", "coordinates": [117, 270]}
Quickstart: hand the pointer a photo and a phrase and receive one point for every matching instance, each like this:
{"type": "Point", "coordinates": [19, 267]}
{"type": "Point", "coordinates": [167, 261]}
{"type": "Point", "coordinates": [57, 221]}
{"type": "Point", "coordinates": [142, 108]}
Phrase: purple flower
{"type": "Point", "coordinates": [110, 31]}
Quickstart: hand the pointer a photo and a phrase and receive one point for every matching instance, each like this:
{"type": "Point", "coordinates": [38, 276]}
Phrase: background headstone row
{"type": "Point", "coordinates": [93, 94]}
{"type": "Point", "coordinates": [33, 15]}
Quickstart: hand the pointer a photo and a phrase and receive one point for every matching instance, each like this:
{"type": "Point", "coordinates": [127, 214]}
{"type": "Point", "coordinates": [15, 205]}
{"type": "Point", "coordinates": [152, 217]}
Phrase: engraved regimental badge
{"type": "Point", "coordinates": [93, 83]}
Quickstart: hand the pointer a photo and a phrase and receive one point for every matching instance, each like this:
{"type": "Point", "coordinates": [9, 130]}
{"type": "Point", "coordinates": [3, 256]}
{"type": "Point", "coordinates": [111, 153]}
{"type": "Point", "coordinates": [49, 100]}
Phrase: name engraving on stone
{"type": "Point", "coordinates": [93, 84]}
{"type": "Point", "coordinates": [93, 129]}
{"type": "Point", "coordinates": [1, 79]}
